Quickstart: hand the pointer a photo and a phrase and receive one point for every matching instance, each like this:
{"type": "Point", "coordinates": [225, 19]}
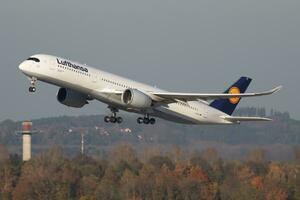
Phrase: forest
{"type": "Point", "coordinates": [166, 161]}
{"type": "Point", "coordinates": [124, 173]}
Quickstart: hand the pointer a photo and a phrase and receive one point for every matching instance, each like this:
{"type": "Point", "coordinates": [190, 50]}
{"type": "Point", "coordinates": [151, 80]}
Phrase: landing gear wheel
{"type": "Point", "coordinates": [33, 81]}
{"type": "Point", "coordinates": [119, 120]}
{"type": "Point", "coordinates": [32, 89]}
{"type": "Point", "coordinates": [146, 120]}
{"type": "Point", "coordinates": [152, 121]}
{"type": "Point", "coordinates": [113, 119]}
{"type": "Point", "coordinates": [107, 119]}
{"type": "Point", "coordinates": [139, 120]}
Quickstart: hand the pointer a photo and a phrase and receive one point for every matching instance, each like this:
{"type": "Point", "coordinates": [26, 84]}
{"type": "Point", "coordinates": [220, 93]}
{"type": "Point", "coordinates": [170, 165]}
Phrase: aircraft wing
{"type": "Point", "coordinates": [208, 96]}
{"type": "Point", "coordinates": [237, 119]}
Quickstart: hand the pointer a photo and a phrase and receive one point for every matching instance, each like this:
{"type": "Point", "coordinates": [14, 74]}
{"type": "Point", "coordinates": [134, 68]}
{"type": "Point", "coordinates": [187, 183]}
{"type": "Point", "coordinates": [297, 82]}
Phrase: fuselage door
{"type": "Point", "coordinates": [52, 64]}
{"type": "Point", "coordinates": [94, 78]}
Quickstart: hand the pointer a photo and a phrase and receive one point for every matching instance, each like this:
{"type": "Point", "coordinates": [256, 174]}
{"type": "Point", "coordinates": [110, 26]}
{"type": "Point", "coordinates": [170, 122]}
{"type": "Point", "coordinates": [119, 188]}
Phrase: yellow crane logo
{"type": "Point", "coordinates": [234, 90]}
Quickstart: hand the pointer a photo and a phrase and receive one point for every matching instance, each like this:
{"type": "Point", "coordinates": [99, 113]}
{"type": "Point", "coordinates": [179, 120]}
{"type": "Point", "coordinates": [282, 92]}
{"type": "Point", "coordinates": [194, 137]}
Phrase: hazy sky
{"type": "Point", "coordinates": [191, 45]}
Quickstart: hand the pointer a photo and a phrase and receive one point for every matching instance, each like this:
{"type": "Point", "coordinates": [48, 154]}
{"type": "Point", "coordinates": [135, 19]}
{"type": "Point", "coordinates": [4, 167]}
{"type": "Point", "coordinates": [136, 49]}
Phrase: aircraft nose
{"type": "Point", "coordinates": [22, 66]}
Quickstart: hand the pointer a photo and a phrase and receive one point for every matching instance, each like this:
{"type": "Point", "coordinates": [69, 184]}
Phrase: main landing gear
{"type": "Point", "coordinates": [113, 118]}
{"type": "Point", "coordinates": [146, 120]}
{"type": "Point", "coordinates": [33, 81]}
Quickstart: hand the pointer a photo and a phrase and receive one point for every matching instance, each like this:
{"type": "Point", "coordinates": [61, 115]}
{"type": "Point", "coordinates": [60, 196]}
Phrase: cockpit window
{"type": "Point", "coordinates": [34, 59]}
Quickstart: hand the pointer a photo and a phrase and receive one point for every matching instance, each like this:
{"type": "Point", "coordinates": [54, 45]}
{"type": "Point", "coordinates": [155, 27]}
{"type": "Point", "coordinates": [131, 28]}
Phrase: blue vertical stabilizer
{"type": "Point", "coordinates": [228, 105]}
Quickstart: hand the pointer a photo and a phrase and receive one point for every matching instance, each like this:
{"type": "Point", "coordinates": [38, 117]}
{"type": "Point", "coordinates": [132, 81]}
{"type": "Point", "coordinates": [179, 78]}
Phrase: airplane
{"type": "Point", "coordinates": [80, 84]}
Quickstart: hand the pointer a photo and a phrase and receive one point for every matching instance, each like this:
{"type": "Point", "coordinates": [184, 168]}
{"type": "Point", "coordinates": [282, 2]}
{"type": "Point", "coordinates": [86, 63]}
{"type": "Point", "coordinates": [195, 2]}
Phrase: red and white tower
{"type": "Point", "coordinates": [26, 134]}
{"type": "Point", "coordinates": [26, 137]}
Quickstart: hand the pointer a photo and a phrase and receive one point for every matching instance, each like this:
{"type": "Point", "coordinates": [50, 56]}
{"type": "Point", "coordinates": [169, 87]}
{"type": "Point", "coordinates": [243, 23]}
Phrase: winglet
{"type": "Point", "coordinates": [272, 91]}
{"type": "Point", "coordinates": [276, 89]}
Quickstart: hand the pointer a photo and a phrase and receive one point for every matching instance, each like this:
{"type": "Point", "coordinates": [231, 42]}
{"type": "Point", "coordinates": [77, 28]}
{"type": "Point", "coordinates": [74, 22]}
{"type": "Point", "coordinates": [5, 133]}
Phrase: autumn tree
{"type": "Point", "coordinates": [108, 188]}
{"type": "Point", "coordinates": [4, 155]}
{"type": "Point", "coordinates": [234, 189]}
{"type": "Point", "coordinates": [128, 185]}
{"type": "Point", "coordinates": [159, 161]}
{"type": "Point", "coordinates": [198, 161]}
{"type": "Point", "coordinates": [204, 175]}
{"type": "Point", "coordinates": [10, 166]}
{"type": "Point", "coordinates": [297, 153]}
{"type": "Point", "coordinates": [124, 156]}
{"type": "Point", "coordinates": [47, 176]}
{"type": "Point", "coordinates": [256, 155]}
{"type": "Point", "coordinates": [216, 170]}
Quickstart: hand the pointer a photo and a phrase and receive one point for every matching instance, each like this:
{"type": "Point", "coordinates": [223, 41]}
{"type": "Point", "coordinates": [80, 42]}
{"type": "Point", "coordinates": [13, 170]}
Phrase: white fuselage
{"type": "Point", "coordinates": [93, 82]}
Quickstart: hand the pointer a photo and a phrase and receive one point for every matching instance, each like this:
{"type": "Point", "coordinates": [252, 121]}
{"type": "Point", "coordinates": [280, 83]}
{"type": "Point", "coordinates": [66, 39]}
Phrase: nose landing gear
{"type": "Point", "coordinates": [113, 118]}
{"type": "Point", "coordinates": [32, 89]}
{"type": "Point", "coordinates": [33, 81]}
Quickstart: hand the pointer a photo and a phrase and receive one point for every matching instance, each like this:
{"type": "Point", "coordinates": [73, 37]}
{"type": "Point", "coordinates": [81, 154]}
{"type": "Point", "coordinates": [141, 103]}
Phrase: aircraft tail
{"type": "Point", "coordinates": [228, 105]}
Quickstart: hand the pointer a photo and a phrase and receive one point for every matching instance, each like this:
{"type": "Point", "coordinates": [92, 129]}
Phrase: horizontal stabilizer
{"type": "Point", "coordinates": [238, 119]}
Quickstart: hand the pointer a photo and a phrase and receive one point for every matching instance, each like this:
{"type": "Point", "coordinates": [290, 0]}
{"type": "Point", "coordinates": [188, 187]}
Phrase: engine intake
{"type": "Point", "coordinates": [71, 98]}
{"type": "Point", "coordinates": [136, 99]}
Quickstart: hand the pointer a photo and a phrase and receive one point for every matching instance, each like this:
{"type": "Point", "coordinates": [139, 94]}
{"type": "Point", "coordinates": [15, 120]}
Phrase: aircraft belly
{"type": "Point", "coordinates": [175, 115]}
{"type": "Point", "coordinates": [109, 99]}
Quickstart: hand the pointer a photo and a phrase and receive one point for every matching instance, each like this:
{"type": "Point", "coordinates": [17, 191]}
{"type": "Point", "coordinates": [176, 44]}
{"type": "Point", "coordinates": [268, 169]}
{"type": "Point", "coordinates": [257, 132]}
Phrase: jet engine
{"type": "Point", "coordinates": [71, 98]}
{"type": "Point", "coordinates": [136, 99]}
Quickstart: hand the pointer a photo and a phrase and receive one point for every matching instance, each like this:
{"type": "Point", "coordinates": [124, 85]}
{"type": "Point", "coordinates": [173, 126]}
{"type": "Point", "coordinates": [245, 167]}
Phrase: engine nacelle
{"type": "Point", "coordinates": [71, 98]}
{"type": "Point", "coordinates": [136, 99]}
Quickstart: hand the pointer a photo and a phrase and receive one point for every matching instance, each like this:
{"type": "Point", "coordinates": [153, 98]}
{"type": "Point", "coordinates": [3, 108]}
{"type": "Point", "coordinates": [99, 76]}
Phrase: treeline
{"type": "Point", "coordinates": [251, 111]}
{"type": "Point", "coordinates": [261, 112]}
{"type": "Point", "coordinates": [126, 174]}
{"type": "Point", "coordinates": [66, 130]}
